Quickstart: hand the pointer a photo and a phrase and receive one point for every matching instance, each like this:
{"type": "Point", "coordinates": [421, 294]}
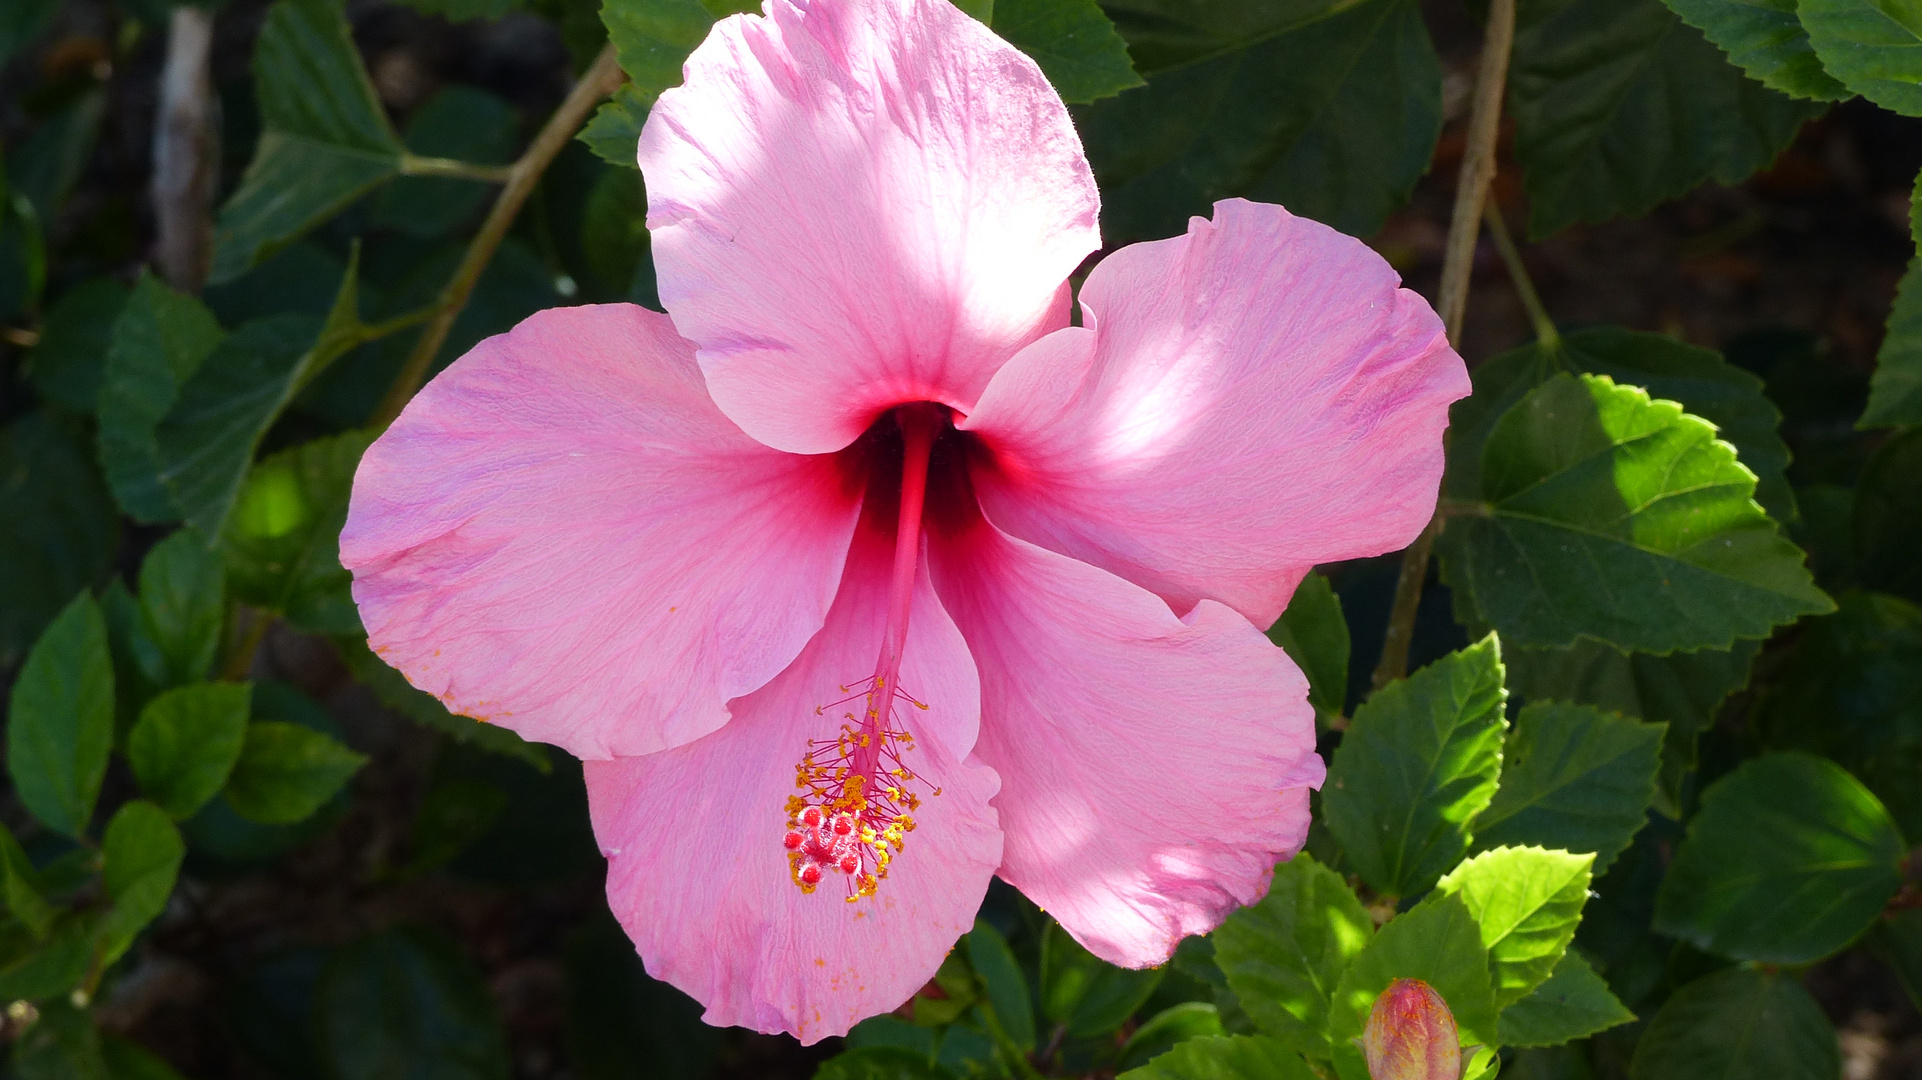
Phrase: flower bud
{"type": "Point", "coordinates": [1411, 1035]}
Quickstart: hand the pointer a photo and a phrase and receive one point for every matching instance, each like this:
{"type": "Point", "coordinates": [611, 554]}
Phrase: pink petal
{"type": "Point", "coordinates": [1255, 397]}
{"type": "Point", "coordinates": [696, 871]}
{"type": "Point", "coordinates": [562, 535]}
{"type": "Point", "coordinates": [859, 203]}
{"type": "Point", "coordinates": [1153, 768]}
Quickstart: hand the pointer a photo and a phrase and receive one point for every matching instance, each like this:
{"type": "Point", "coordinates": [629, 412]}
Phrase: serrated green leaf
{"type": "Point", "coordinates": [182, 605]}
{"type": "Point", "coordinates": [286, 772]}
{"type": "Point", "coordinates": [325, 139]}
{"type": "Point", "coordinates": [1226, 1057]}
{"type": "Point", "coordinates": [1335, 120]}
{"type": "Point", "coordinates": [1621, 106]}
{"type": "Point", "coordinates": [1888, 517]}
{"type": "Point", "coordinates": [406, 1003]}
{"type": "Point", "coordinates": [1895, 392]}
{"type": "Point", "coordinates": [1007, 987]}
{"type": "Point", "coordinates": [1898, 941]}
{"type": "Point", "coordinates": [1573, 1003]}
{"type": "Point", "coordinates": [394, 691]}
{"type": "Point", "coordinates": [1085, 992]}
{"type": "Point", "coordinates": [1419, 761]}
{"type": "Point", "coordinates": [1436, 941]}
{"type": "Point", "coordinates": [1618, 518]}
{"type": "Point", "coordinates": [1314, 634]}
{"type": "Point", "coordinates": [1739, 1024]}
{"type": "Point", "coordinates": [1167, 1029]}
{"type": "Point", "coordinates": [1788, 860]}
{"type": "Point", "coordinates": [71, 358]}
{"type": "Point", "coordinates": [461, 123]}
{"type": "Point", "coordinates": [652, 39]}
{"type": "Point", "coordinates": [1075, 44]}
{"type": "Point", "coordinates": [1527, 901]}
{"type": "Point", "coordinates": [1765, 39]}
{"type": "Point", "coordinates": [1573, 778]}
{"type": "Point", "coordinates": [1163, 34]}
{"type": "Point", "coordinates": [60, 719]}
{"type": "Point", "coordinates": [1284, 956]}
{"type": "Point", "coordinates": [142, 852]}
{"type": "Point", "coordinates": [159, 340]}
{"type": "Point", "coordinates": [614, 133]}
{"type": "Point", "coordinates": [186, 743]}
{"type": "Point", "coordinates": [283, 539]}
{"type": "Point", "coordinates": [59, 530]}
{"type": "Point", "coordinates": [1874, 49]}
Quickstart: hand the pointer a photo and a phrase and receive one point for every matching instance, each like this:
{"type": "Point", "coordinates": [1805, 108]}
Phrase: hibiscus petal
{"type": "Point", "coordinates": [1253, 398]}
{"type": "Point", "coordinates": [696, 871]}
{"type": "Point", "coordinates": [1153, 768]}
{"type": "Point", "coordinates": [562, 535]}
{"type": "Point", "coordinates": [859, 203]}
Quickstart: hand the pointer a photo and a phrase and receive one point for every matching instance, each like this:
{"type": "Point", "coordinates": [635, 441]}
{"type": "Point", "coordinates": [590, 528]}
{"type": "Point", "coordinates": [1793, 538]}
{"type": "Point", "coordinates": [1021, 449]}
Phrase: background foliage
{"type": "Point", "coordinates": [1647, 809]}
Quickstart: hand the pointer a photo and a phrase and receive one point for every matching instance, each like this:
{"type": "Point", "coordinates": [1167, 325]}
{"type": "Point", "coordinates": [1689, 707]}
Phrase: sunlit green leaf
{"type": "Point", "coordinates": [1314, 633]}
{"type": "Point", "coordinates": [1226, 1057]}
{"type": "Point", "coordinates": [186, 743]}
{"type": "Point", "coordinates": [1073, 41]}
{"type": "Point", "coordinates": [1739, 1024]}
{"type": "Point", "coordinates": [1572, 1004]}
{"type": "Point", "coordinates": [1765, 39]}
{"type": "Point", "coordinates": [614, 133]}
{"type": "Point", "coordinates": [1875, 49]}
{"type": "Point", "coordinates": [1436, 941]}
{"type": "Point", "coordinates": [1284, 955]}
{"type": "Point", "coordinates": [1573, 778]}
{"type": "Point", "coordinates": [1167, 1029]}
{"type": "Point", "coordinates": [283, 539]}
{"type": "Point", "coordinates": [1085, 992]}
{"type": "Point", "coordinates": [1527, 901]}
{"type": "Point", "coordinates": [60, 720]}
{"type": "Point", "coordinates": [287, 772]}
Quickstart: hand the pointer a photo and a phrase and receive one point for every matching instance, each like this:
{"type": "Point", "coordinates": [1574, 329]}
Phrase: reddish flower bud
{"type": "Point", "coordinates": [1411, 1035]}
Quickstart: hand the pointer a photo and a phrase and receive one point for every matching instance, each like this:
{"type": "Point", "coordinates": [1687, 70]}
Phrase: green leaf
{"type": "Point", "coordinates": [1573, 1003]}
{"type": "Point", "coordinates": [1437, 942]}
{"type": "Point", "coordinates": [1621, 106]}
{"type": "Point", "coordinates": [460, 123]}
{"type": "Point", "coordinates": [1163, 34]}
{"type": "Point", "coordinates": [1788, 860]}
{"type": "Point", "coordinates": [614, 236]}
{"type": "Point", "coordinates": [1765, 39]}
{"type": "Point", "coordinates": [325, 139]}
{"type": "Point", "coordinates": [21, 22]}
{"type": "Point", "coordinates": [1621, 519]}
{"type": "Point", "coordinates": [128, 1060]}
{"type": "Point", "coordinates": [1573, 778]}
{"type": "Point", "coordinates": [1418, 762]}
{"type": "Point", "coordinates": [1085, 992]}
{"type": "Point", "coordinates": [1739, 1024]}
{"type": "Point", "coordinates": [142, 851]}
{"type": "Point", "coordinates": [1314, 633]}
{"type": "Point", "coordinates": [1335, 120]}
{"type": "Point", "coordinates": [57, 965]}
{"type": "Point", "coordinates": [406, 1003]}
{"type": "Point", "coordinates": [186, 743]}
{"type": "Point", "coordinates": [1898, 941]}
{"type": "Point", "coordinates": [20, 883]}
{"type": "Point", "coordinates": [1169, 1028]}
{"type": "Point", "coordinates": [880, 1063]}
{"type": "Point", "coordinates": [287, 772]}
{"type": "Point", "coordinates": [71, 359]}
{"type": "Point", "coordinates": [60, 721]}
{"type": "Point", "coordinates": [182, 604]}
{"type": "Point", "coordinates": [1075, 44]}
{"type": "Point", "coordinates": [1284, 955]}
{"type": "Point", "coordinates": [1895, 392]}
{"type": "Point", "coordinates": [1527, 901]}
{"type": "Point", "coordinates": [394, 691]}
{"type": "Point", "coordinates": [1888, 517]}
{"type": "Point", "coordinates": [160, 339]}
{"type": "Point", "coordinates": [1226, 1057]}
{"type": "Point", "coordinates": [1874, 49]}
{"type": "Point", "coordinates": [62, 1045]}
{"type": "Point", "coordinates": [283, 539]}
{"type": "Point", "coordinates": [614, 133]}
{"type": "Point", "coordinates": [59, 530]}
{"type": "Point", "coordinates": [1007, 987]}
{"type": "Point", "coordinates": [652, 39]}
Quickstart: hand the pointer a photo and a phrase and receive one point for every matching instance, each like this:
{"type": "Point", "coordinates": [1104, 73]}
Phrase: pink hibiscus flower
{"type": "Point", "coordinates": [863, 576]}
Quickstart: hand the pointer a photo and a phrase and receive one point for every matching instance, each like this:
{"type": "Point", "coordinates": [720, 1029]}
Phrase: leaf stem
{"type": "Point", "coordinates": [240, 659]}
{"type": "Point", "coordinates": [600, 80]}
{"type": "Point", "coordinates": [413, 165]}
{"type": "Point", "coordinates": [1545, 332]}
{"type": "Point", "coordinates": [1458, 260]}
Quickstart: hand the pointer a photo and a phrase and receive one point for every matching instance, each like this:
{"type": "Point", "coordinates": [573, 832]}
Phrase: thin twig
{"type": "Point", "coordinates": [186, 151]}
{"type": "Point", "coordinates": [1464, 228]}
{"type": "Point", "coordinates": [600, 80]}
{"type": "Point", "coordinates": [1545, 331]}
{"type": "Point", "coordinates": [412, 165]}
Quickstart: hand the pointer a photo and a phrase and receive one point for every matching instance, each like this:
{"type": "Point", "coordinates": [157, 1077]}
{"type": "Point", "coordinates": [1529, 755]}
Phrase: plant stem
{"type": "Point", "coordinates": [1464, 228]}
{"type": "Point", "coordinates": [240, 660]}
{"type": "Point", "coordinates": [1545, 332]}
{"type": "Point", "coordinates": [410, 165]}
{"type": "Point", "coordinates": [600, 80]}
{"type": "Point", "coordinates": [186, 151]}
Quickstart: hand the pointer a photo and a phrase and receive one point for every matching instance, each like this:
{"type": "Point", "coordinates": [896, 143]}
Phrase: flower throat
{"type": "Point", "coordinates": [857, 796]}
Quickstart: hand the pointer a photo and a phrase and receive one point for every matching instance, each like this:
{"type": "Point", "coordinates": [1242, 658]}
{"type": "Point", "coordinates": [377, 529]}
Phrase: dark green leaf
{"type": "Point", "coordinates": [1085, 992]}
{"type": "Point", "coordinates": [159, 341]}
{"type": "Point", "coordinates": [58, 964]}
{"type": "Point", "coordinates": [1621, 519]}
{"type": "Point", "coordinates": [182, 603]}
{"type": "Point", "coordinates": [1621, 106]}
{"type": "Point", "coordinates": [880, 1063]}
{"type": "Point", "coordinates": [58, 527]}
{"type": "Point", "coordinates": [459, 10]}
{"type": "Point", "coordinates": [1437, 942]}
{"type": "Point", "coordinates": [61, 1045]}
{"type": "Point", "coordinates": [1895, 393]}
{"type": "Point", "coordinates": [1888, 517]}
{"type": "Point", "coordinates": [460, 123]}
{"type": "Point", "coordinates": [1075, 44]}
{"type": "Point", "coordinates": [1527, 901]}
{"type": "Point", "coordinates": [1168, 1028]}
{"type": "Point", "coordinates": [1007, 987]}
{"type": "Point", "coordinates": [1335, 120]}
{"type": "Point", "coordinates": [617, 1018]}
{"type": "Point", "coordinates": [71, 358]}
{"type": "Point", "coordinates": [186, 742]}
{"type": "Point", "coordinates": [614, 228]}
{"type": "Point", "coordinates": [452, 815]}
{"type": "Point", "coordinates": [60, 722]}
{"type": "Point", "coordinates": [220, 835]}
{"type": "Point", "coordinates": [287, 772]}
{"type": "Point", "coordinates": [128, 1060]}
{"type": "Point", "coordinates": [1765, 39]}
{"type": "Point", "coordinates": [1573, 1004]}
{"type": "Point", "coordinates": [406, 1004]}
{"type": "Point", "coordinates": [394, 691]}
{"type": "Point", "coordinates": [1418, 762]}
{"type": "Point", "coordinates": [1314, 633]}
{"type": "Point", "coordinates": [21, 22]}
{"type": "Point", "coordinates": [614, 133]}
{"type": "Point", "coordinates": [142, 853]}
{"type": "Point", "coordinates": [1164, 34]}
{"type": "Point", "coordinates": [1284, 956]}
{"type": "Point", "coordinates": [1788, 860]}
{"type": "Point", "coordinates": [283, 539]}
{"type": "Point", "coordinates": [326, 140]}
{"type": "Point", "coordinates": [1898, 941]}
{"type": "Point", "coordinates": [1739, 1024]}
{"type": "Point", "coordinates": [48, 164]}
{"type": "Point", "coordinates": [1226, 1057]}
{"type": "Point", "coordinates": [1874, 49]}
{"type": "Point", "coordinates": [1573, 778]}
{"type": "Point", "coordinates": [20, 883]}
